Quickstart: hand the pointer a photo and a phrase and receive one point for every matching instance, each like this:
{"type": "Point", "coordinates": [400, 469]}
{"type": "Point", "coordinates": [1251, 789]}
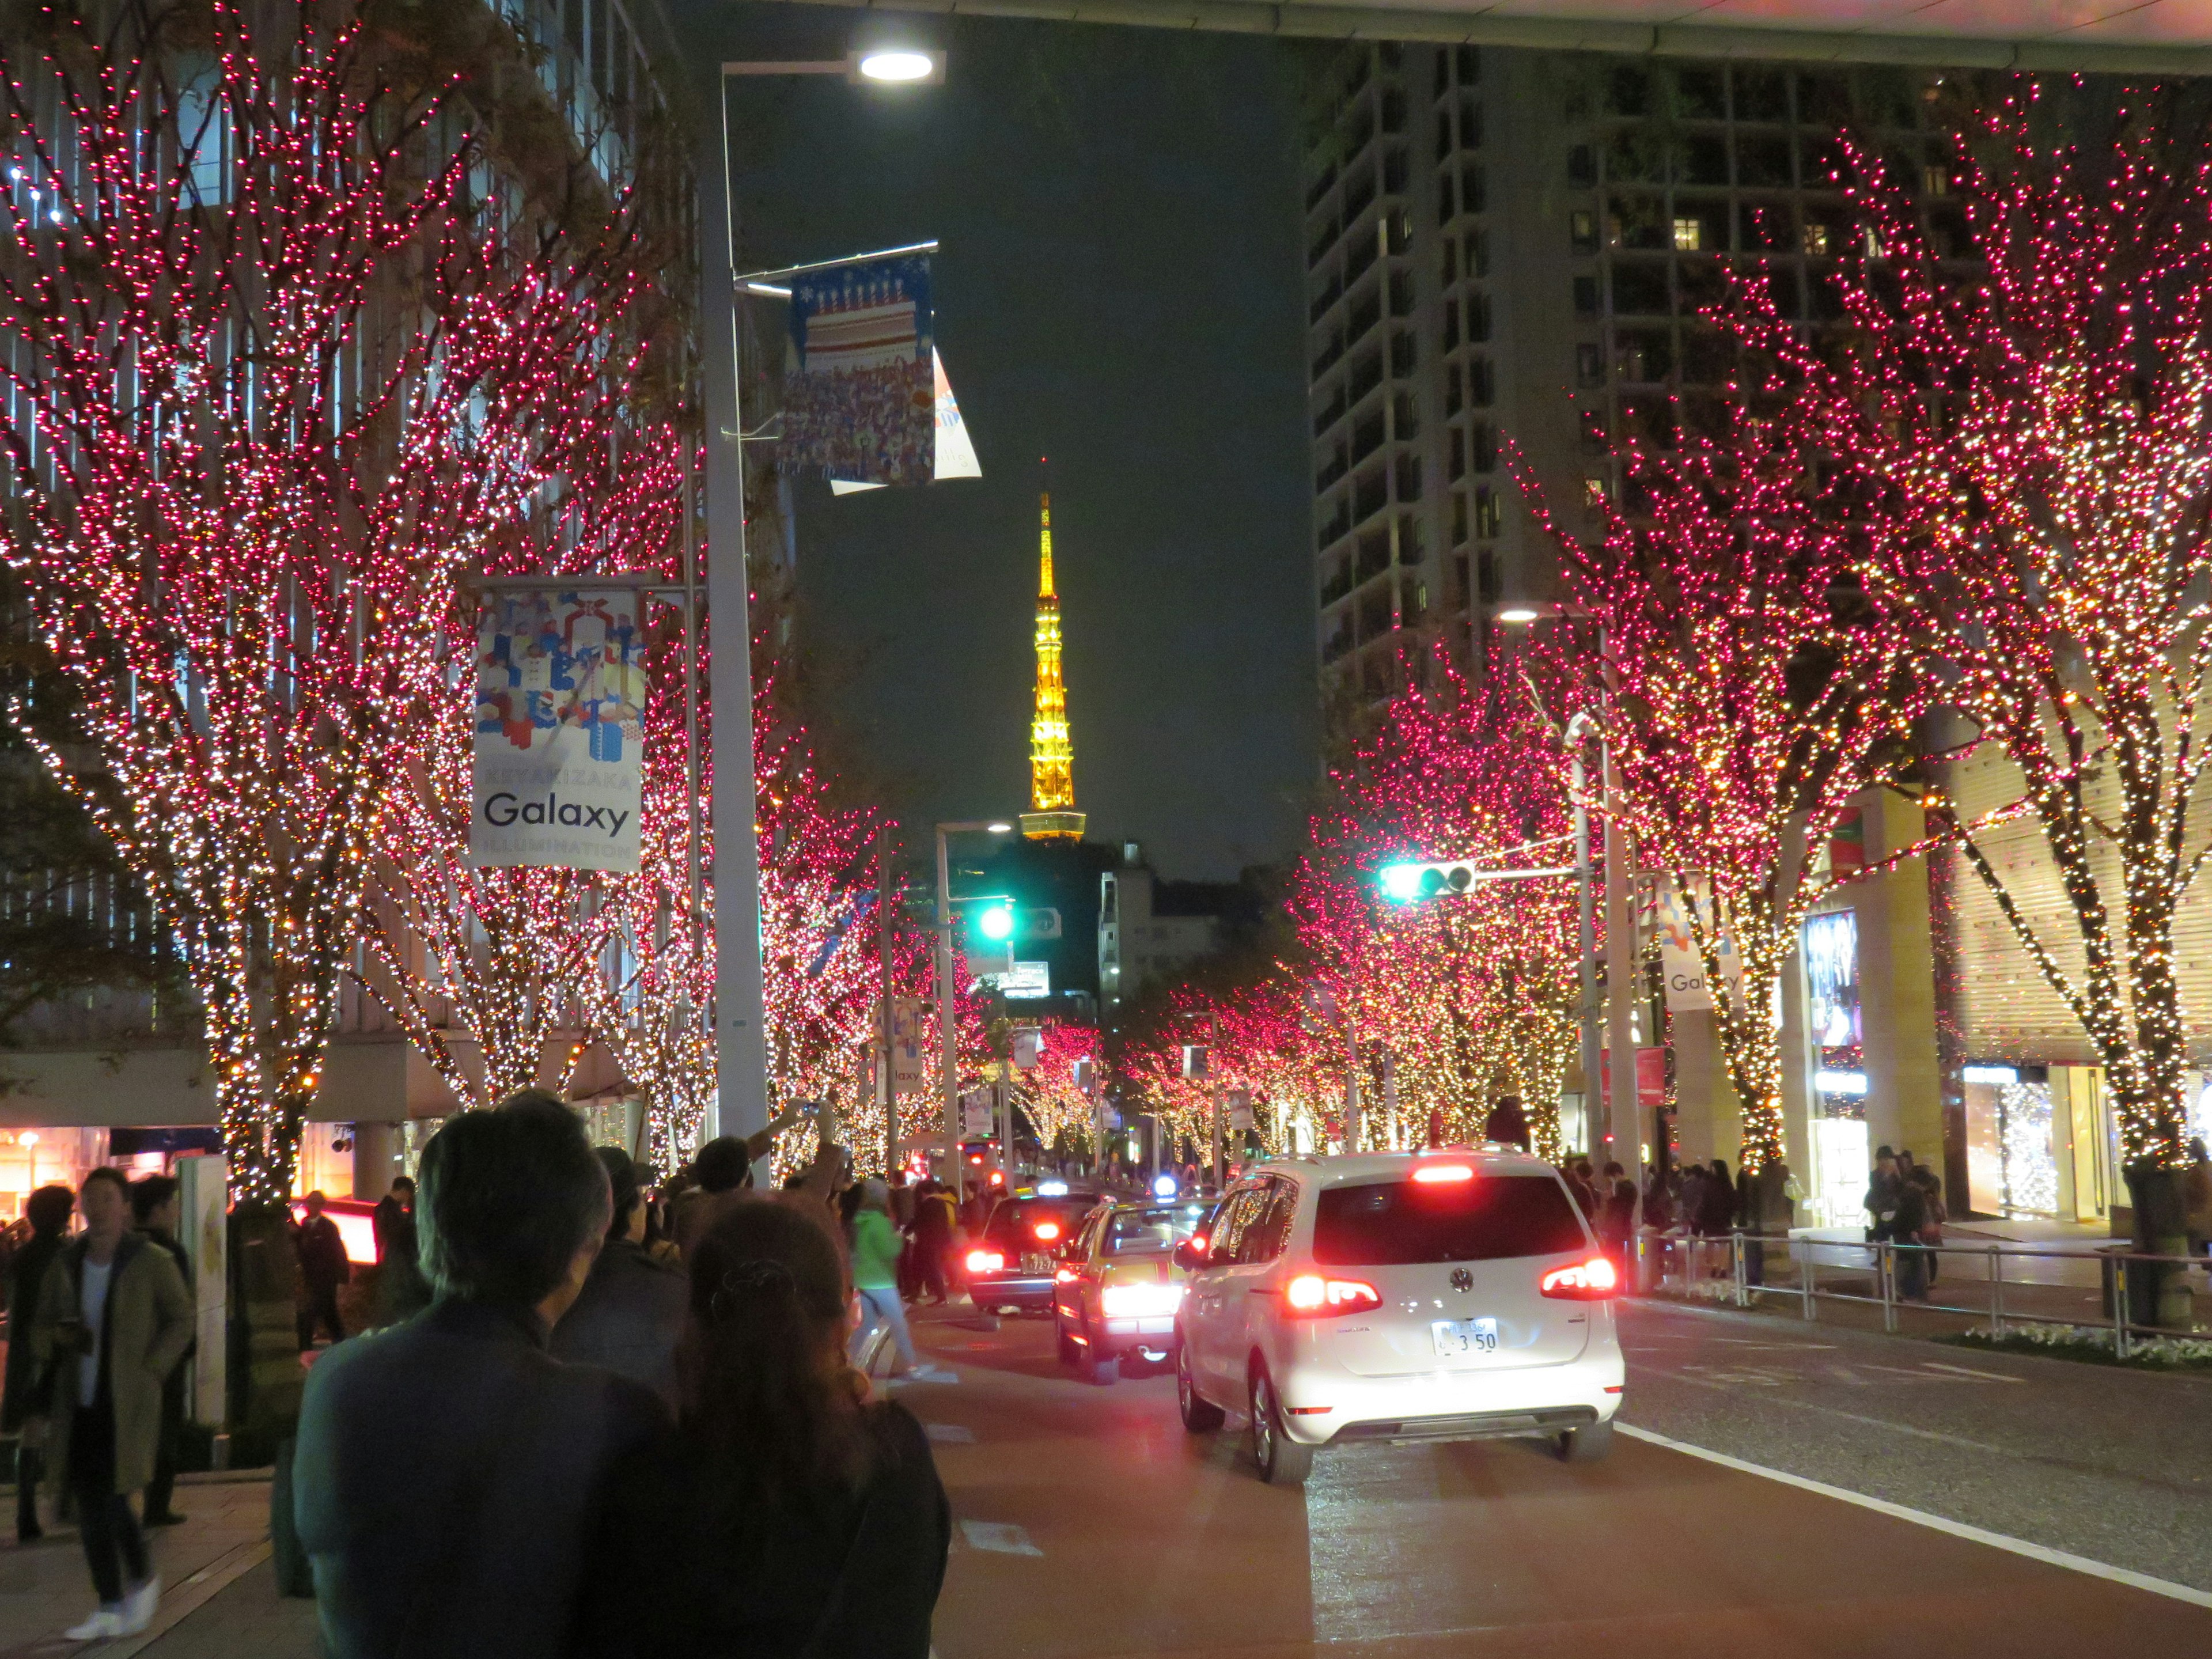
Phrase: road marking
{"type": "Point", "coordinates": [950, 1434]}
{"type": "Point", "coordinates": [2042, 1552]}
{"type": "Point", "coordinates": [1882, 1423]}
{"type": "Point", "coordinates": [1779, 1347]}
{"type": "Point", "coordinates": [999, 1537]}
{"type": "Point", "coordinates": [1968, 1370]}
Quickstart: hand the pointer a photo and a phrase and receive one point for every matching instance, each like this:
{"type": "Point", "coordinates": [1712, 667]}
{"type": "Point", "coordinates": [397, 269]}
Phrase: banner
{"type": "Point", "coordinates": [909, 1061]}
{"type": "Point", "coordinates": [1683, 968]}
{"type": "Point", "coordinates": [860, 392]}
{"type": "Point", "coordinates": [955, 450]}
{"type": "Point", "coordinates": [561, 690]}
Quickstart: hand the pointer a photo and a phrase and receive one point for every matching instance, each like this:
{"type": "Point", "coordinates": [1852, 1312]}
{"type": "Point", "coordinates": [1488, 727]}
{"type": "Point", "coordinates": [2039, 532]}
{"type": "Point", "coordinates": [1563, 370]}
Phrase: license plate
{"type": "Point", "coordinates": [1457, 1337]}
{"type": "Point", "coordinates": [1033, 1263]}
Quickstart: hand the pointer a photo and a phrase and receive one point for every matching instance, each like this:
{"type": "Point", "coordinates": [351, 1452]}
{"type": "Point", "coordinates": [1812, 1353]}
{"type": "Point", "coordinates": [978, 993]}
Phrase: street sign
{"type": "Point", "coordinates": [1027, 983]}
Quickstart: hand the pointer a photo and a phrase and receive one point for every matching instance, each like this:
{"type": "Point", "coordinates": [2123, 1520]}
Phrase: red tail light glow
{"type": "Point", "coordinates": [990, 1261]}
{"type": "Point", "coordinates": [1593, 1280]}
{"type": "Point", "coordinates": [1198, 1243]}
{"type": "Point", "coordinates": [1311, 1296]}
{"type": "Point", "coordinates": [1048, 1231]}
{"type": "Point", "coordinates": [1065, 1276]}
{"type": "Point", "coordinates": [1431, 1174]}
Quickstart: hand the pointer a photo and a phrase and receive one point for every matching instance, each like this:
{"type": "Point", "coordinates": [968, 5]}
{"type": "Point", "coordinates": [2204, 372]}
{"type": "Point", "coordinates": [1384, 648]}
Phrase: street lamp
{"type": "Point", "coordinates": [740, 1019]}
{"type": "Point", "coordinates": [948, 1028]}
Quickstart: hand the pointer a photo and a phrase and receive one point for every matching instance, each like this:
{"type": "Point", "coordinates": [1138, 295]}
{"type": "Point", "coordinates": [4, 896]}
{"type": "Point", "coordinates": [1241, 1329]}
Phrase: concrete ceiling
{"type": "Point", "coordinates": [2123, 36]}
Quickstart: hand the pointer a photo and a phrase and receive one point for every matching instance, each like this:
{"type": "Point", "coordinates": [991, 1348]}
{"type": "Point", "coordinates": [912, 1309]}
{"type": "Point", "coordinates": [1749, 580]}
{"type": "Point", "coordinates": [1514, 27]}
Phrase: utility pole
{"type": "Point", "coordinates": [1578, 730]}
{"type": "Point", "coordinates": [887, 1033]}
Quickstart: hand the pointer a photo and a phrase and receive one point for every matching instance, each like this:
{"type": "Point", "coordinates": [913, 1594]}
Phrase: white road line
{"type": "Point", "coordinates": [2042, 1552]}
{"type": "Point", "coordinates": [999, 1537]}
{"type": "Point", "coordinates": [1968, 1370]}
{"type": "Point", "coordinates": [950, 1434]}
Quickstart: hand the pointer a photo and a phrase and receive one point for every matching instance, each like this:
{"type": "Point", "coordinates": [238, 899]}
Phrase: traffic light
{"type": "Point", "coordinates": [1408, 883]}
{"type": "Point", "coordinates": [995, 922]}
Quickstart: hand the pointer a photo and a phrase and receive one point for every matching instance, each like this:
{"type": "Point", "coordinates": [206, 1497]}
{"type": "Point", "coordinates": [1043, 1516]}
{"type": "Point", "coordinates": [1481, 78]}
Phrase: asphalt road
{"type": "Point", "coordinates": [1088, 1524]}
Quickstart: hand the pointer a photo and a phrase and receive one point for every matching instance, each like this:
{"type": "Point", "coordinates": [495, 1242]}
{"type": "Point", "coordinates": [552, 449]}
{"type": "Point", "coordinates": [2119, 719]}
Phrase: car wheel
{"type": "Point", "coordinates": [1282, 1462]}
{"type": "Point", "coordinates": [1199, 1415]}
{"type": "Point", "coordinates": [1586, 1445]}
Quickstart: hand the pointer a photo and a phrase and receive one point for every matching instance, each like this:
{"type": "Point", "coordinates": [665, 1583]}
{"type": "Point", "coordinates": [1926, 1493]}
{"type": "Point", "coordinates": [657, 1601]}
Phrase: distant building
{"type": "Point", "coordinates": [1150, 929]}
{"type": "Point", "coordinates": [1052, 816]}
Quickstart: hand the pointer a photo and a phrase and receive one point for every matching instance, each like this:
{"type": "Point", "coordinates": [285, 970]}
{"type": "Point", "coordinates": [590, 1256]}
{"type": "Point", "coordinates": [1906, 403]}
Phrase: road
{"type": "Point", "coordinates": [1089, 1526]}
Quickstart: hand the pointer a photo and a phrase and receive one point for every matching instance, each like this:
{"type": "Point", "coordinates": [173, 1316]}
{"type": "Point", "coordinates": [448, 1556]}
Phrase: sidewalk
{"type": "Point", "coordinates": [44, 1588]}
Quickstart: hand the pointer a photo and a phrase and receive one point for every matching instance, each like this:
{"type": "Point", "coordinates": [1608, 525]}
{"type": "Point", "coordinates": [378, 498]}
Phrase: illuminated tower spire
{"type": "Point", "coordinates": [1051, 754]}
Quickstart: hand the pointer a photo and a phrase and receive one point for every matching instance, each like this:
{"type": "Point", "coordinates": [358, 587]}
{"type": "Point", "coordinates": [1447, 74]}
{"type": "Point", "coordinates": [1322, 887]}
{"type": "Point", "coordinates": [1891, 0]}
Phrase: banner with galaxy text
{"type": "Point", "coordinates": [560, 715]}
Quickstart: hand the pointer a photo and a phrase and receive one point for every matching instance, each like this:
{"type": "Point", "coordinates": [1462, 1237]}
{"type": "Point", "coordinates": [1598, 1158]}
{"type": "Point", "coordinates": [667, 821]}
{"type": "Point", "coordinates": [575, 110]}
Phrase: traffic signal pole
{"type": "Point", "coordinates": [948, 1023]}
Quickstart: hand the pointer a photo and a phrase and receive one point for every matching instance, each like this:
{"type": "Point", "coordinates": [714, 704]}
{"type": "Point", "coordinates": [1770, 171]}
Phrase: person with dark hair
{"type": "Point", "coordinates": [156, 1205]}
{"type": "Point", "coordinates": [631, 1308]}
{"type": "Point", "coordinates": [48, 1211]}
{"type": "Point", "coordinates": [724, 1168]}
{"type": "Point", "coordinates": [789, 1514]}
{"type": "Point", "coordinates": [324, 1266]}
{"type": "Point", "coordinates": [113, 1320]}
{"type": "Point", "coordinates": [932, 1237]}
{"type": "Point", "coordinates": [393, 1221]}
{"type": "Point", "coordinates": [450, 1476]}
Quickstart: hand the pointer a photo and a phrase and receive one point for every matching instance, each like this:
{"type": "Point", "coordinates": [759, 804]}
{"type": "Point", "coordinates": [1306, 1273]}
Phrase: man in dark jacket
{"type": "Point", "coordinates": [450, 1476]}
{"type": "Point", "coordinates": [631, 1310]}
{"type": "Point", "coordinates": [393, 1221]}
{"type": "Point", "coordinates": [323, 1267]}
{"type": "Point", "coordinates": [155, 1204]}
{"type": "Point", "coordinates": [48, 1211]}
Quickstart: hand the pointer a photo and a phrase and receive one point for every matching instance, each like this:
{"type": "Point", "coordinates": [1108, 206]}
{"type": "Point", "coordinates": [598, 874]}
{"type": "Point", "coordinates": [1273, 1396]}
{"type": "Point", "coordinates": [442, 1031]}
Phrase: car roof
{"type": "Point", "coordinates": [1335, 1169]}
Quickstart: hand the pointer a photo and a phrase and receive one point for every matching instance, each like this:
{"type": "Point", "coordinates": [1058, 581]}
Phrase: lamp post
{"type": "Point", "coordinates": [948, 1027]}
{"type": "Point", "coordinates": [739, 1015]}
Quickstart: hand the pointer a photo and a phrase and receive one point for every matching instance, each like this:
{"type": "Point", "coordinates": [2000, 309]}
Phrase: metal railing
{"type": "Point", "coordinates": [1742, 1268]}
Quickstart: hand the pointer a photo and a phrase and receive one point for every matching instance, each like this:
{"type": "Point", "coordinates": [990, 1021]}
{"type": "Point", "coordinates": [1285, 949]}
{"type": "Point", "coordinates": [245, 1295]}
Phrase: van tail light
{"type": "Point", "coordinates": [1439, 1175]}
{"type": "Point", "coordinates": [1047, 1230]}
{"type": "Point", "coordinates": [990, 1261]}
{"type": "Point", "coordinates": [1593, 1280]}
{"type": "Point", "coordinates": [1065, 1276]}
{"type": "Point", "coordinates": [1311, 1296]}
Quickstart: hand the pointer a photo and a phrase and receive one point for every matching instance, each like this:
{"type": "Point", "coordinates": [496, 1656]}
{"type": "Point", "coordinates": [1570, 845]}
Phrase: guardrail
{"type": "Point", "coordinates": [1744, 1268]}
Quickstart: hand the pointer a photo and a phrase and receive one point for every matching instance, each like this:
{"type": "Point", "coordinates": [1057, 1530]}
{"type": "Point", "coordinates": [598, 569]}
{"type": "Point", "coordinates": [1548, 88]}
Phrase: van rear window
{"type": "Point", "coordinates": [1390, 1223]}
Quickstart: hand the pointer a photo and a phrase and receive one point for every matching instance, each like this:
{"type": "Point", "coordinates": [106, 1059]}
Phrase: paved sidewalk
{"type": "Point", "coordinates": [44, 1586]}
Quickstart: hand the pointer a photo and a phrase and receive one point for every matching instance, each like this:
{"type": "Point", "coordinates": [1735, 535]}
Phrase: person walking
{"type": "Point", "coordinates": [1616, 1217]}
{"type": "Point", "coordinates": [22, 1411]}
{"type": "Point", "coordinates": [2197, 1199]}
{"type": "Point", "coordinates": [1931, 1226]}
{"type": "Point", "coordinates": [1882, 1188]}
{"type": "Point", "coordinates": [113, 1320]}
{"type": "Point", "coordinates": [1905, 1225]}
{"type": "Point", "coordinates": [876, 1248]}
{"type": "Point", "coordinates": [933, 1240]}
{"type": "Point", "coordinates": [323, 1266]}
{"type": "Point", "coordinates": [788, 1515]}
{"type": "Point", "coordinates": [630, 1311]}
{"type": "Point", "coordinates": [1766, 1212]}
{"type": "Point", "coordinates": [156, 1205]}
{"type": "Point", "coordinates": [450, 1477]}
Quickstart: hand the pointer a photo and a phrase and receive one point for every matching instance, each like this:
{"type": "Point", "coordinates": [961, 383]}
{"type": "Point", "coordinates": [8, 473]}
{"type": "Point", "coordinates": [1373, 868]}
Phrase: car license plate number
{"type": "Point", "coordinates": [1457, 1337]}
{"type": "Point", "coordinates": [1033, 1263]}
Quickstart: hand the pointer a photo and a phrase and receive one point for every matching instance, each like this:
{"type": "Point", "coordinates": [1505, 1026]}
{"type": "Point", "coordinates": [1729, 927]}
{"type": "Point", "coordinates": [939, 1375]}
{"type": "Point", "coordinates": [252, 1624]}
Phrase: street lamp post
{"type": "Point", "coordinates": [740, 1019]}
{"type": "Point", "coordinates": [948, 1028]}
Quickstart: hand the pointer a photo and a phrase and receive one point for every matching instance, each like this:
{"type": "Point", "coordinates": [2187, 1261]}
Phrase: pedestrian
{"type": "Point", "coordinates": [1582, 1184]}
{"type": "Point", "coordinates": [875, 1276]}
{"type": "Point", "coordinates": [933, 1240]}
{"type": "Point", "coordinates": [1616, 1217]}
{"type": "Point", "coordinates": [324, 1266]}
{"type": "Point", "coordinates": [1717, 1211]}
{"type": "Point", "coordinates": [393, 1220]}
{"type": "Point", "coordinates": [1904, 1227]}
{"type": "Point", "coordinates": [1882, 1188]}
{"type": "Point", "coordinates": [113, 1320]}
{"type": "Point", "coordinates": [788, 1515]}
{"type": "Point", "coordinates": [1930, 1232]}
{"type": "Point", "coordinates": [1658, 1201]}
{"type": "Point", "coordinates": [450, 1477]}
{"type": "Point", "coordinates": [2197, 1199]}
{"type": "Point", "coordinates": [22, 1411]}
{"type": "Point", "coordinates": [156, 1205]}
{"type": "Point", "coordinates": [630, 1311]}
{"type": "Point", "coordinates": [1766, 1212]}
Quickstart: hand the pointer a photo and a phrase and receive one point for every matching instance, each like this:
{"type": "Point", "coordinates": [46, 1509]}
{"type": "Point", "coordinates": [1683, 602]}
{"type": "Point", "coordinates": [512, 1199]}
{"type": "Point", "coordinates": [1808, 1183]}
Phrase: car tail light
{"type": "Point", "coordinates": [1434, 1174]}
{"type": "Point", "coordinates": [1593, 1280]}
{"type": "Point", "coordinates": [998, 1178]}
{"type": "Point", "coordinates": [1311, 1296]}
{"type": "Point", "coordinates": [1065, 1276]}
{"type": "Point", "coordinates": [1048, 1231]}
{"type": "Point", "coordinates": [1198, 1243]}
{"type": "Point", "coordinates": [1139, 1301]}
{"type": "Point", "coordinates": [986, 1261]}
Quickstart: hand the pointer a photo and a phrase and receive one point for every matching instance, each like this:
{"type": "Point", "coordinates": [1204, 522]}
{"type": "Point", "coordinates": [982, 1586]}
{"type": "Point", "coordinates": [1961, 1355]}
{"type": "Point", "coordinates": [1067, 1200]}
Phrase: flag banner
{"type": "Point", "coordinates": [561, 690]}
{"type": "Point", "coordinates": [1679, 962]}
{"type": "Point", "coordinates": [859, 389]}
{"type": "Point", "coordinates": [955, 451]}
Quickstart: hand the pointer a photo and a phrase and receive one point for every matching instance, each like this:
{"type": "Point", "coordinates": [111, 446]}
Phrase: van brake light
{"type": "Point", "coordinates": [1593, 1280]}
{"type": "Point", "coordinates": [1432, 1175]}
{"type": "Point", "coordinates": [1310, 1296]}
{"type": "Point", "coordinates": [986, 1261]}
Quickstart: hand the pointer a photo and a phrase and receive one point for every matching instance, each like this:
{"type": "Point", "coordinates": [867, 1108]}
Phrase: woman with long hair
{"type": "Point", "coordinates": [789, 1514]}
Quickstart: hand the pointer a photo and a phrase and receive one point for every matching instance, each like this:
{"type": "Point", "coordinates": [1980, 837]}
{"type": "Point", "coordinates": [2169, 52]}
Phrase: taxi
{"type": "Point", "coordinates": [1118, 1285]}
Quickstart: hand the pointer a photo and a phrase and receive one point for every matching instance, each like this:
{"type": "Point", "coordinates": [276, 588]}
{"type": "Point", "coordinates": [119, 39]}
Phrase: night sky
{"type": "Point", "coordinates": [1119, 287]}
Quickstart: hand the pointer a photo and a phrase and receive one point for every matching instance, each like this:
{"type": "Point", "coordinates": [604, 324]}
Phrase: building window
{"type": "Point", "coordinates": [1582, 231]}
{"type": "Point", "coordinates": [1586, 296]}
{"type": "Point", "coordinates": [1453, 390]}
{"type": "Point", "coordinates": [1594, 493]}
{"type": "Point", "coordinates": [1477, 245]}
{"type": "Point", "coordinates": [1451, 262]}
{"type": "Point", "coordinates": [1469, 59]}
{"type": "Point", "coordinates": [1486, 511]}
{"type": "Point", "coordinates": [1470, 124]}
{"type": "Point", "coordinates": [1816, 238]}
{"type": "Point", "coordinates": [1459, 518]}
{"type": "Point", "coordinates": [1444, 209]}
{"type": "Point", "coordinates": [1397, 232]}
{"type": "Point", "coordinates": [1582, 166]}
{"type": "Point", "coordinates": [1689, 235]}
{"type": "Point", "coordinates": [1481, 389]}
{"type": "Point", "coordinates": [1474, 190]}
{"type": "Point", "coordinates": [1451, 323]}
{"type": "Point", "coordinates": [1589, 365]}
{"type": "Point", "coordinates": [1478, 317]}
{"type": "Point", "coordinates": [1458, 447]}
{"type": "Point", "coordinates": [1935, 179]}
{"type": "Point", "coordinates": [1482, 447]}
{"type": "Point", "coordinates": [1409, 477]}
{"type": "Point", "coordinates": [1443, 126]}
{"type": "Point", "coordinates": [1486, 575]}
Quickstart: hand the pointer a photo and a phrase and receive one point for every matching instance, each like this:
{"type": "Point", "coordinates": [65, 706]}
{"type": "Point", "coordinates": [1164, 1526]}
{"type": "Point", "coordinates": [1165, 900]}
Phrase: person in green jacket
{"type": "Point", "coordinates": [876, 1245]}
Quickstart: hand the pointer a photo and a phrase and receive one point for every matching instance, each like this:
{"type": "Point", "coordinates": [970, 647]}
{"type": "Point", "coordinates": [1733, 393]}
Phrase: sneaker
{"type": "Point", "coordinates": [106, 1622]}
{"type": "Point", "coordinates": [139, 1604]}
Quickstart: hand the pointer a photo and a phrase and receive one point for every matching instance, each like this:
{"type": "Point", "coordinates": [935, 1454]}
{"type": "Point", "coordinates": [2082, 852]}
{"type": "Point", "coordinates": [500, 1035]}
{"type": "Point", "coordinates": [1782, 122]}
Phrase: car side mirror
{"type": "Point", "coordinates": [1190, 1255]}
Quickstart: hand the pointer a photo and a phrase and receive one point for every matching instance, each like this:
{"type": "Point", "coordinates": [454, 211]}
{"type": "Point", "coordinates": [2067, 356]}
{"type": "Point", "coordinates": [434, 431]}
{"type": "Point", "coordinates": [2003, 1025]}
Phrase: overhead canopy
{"type": "Point", "coordinates": [2121, 36]}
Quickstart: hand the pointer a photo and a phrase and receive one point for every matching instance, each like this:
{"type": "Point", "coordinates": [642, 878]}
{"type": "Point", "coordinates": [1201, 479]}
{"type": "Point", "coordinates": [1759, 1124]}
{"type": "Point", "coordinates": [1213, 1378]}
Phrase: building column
{"type": "Point", "coordinates": [1897, 998]}
{"type": "Point", "coordinates": [1708, 1123]}
{"type": "Point", "coordinates": [375, 1159]}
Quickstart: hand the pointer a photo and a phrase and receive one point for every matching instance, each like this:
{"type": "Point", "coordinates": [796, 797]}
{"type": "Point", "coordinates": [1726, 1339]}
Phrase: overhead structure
{"type": "Point", "coordinates": [2154, 37]}
{"type": "Point", "coordinates": [1052, 751]}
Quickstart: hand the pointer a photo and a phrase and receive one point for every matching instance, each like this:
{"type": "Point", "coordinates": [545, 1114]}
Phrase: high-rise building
{"type": "Point", "coordinates": [1512, 248]}
{"type": "Point", "coordinates": [1052, 751]}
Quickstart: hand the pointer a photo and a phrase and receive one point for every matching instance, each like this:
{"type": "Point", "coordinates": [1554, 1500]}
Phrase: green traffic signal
{"type": "Point", "coordinates": [995, 922]}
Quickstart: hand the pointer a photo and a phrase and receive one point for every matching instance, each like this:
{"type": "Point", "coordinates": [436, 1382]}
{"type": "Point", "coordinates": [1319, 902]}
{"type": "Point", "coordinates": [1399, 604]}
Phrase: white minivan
{"type": "Point", "coordinates": [1441, 1295]}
